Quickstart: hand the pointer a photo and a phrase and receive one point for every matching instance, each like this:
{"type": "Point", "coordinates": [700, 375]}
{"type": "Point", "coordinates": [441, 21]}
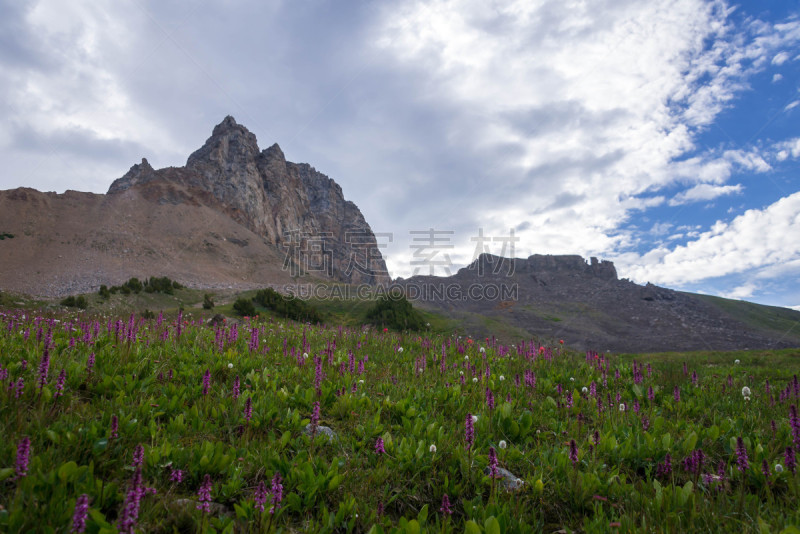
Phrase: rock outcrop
{"type": "Point", "coordinates": [292, 205]}
{"type": "Point", "coordinates": [585, 304]}
{"type": "Point", "coordinates": [233, 217]}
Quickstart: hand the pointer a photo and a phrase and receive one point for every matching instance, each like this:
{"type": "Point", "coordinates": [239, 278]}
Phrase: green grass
{"type": "Point", "coordinates": [781, 321]}
{"type": "Point", "coordinates": [152, 382]}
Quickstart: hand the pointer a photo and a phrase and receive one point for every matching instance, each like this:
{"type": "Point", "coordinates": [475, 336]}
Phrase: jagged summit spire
{"type": "Point", "coordinates": [227, 123]}
{"type": "Point", "coordinates": [229, 142]}
{"type": "Point", "coordinates": [274, 152]}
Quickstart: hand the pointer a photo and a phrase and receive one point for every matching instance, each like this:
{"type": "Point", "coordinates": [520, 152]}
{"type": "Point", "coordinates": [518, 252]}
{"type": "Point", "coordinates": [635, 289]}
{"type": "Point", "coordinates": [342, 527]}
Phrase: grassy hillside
{"type": "Point", "coordinates": [778, 321]}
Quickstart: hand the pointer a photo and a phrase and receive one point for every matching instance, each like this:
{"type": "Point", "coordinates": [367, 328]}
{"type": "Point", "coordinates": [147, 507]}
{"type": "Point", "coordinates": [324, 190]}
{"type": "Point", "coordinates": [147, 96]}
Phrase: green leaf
{"type": "Point", "coordinates": [334, 482]}
{"type": "Point", "coordinates": [492, 525]}
{"type": "Point", "coordinates": [471, 527]}
{"type": "Point", "coordinates": [66, 471]}
{"type": "Point", "coordinates": [100, 445]}
{"type": "Point", "coordinates": [422, 516]}
{"type": "Point", "coordinates": [5, 473]}
{"type": "Point", "coordinates": [98, 517]}
{"type": "Point", "coordinates": [690, 442]}
{"type": "Point", "coordinates": [412, 527]}
{"type": "Point", "coordinates": [791, 530]}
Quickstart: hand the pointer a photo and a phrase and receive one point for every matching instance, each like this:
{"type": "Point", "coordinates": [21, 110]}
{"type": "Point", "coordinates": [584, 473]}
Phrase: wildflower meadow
{"type": "Point", "coordinates": [265, 425]}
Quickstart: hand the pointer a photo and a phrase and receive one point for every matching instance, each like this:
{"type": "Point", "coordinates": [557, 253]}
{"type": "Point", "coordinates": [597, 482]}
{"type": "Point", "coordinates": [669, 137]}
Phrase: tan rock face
{"type": "Point", "coordinates": [234, 216]}
{"type": "Point", "coordinates": [293, 206]}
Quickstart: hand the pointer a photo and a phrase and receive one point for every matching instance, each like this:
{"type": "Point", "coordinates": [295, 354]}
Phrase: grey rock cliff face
{"type": "Point", "coordinates": [293, 206]}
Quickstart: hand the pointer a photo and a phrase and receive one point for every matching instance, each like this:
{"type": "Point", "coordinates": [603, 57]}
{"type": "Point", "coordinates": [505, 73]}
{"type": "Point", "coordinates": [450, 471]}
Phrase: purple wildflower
{"type": "Point", "coordinates": [794, 423]}
{"type": "Point", "coordinates": [379, 446]}
{"type": "Point", "coordinates": [24, 456]}
{"type": "Point", "coordinates": [791, 461]}
{"type": "Point", "coordinates": [489, 399]}
{"type": "Point", "coordinates": [90, 363]}
{"type": "Point", "coordinates": [20, 387]}
{"type": "Point", "coordinates": [765, 469]}
{"type": "Point", "coordinates": [62, 379]}
{"type": "Point", "coordinates": [573, 452]}
{"type": "Point", "coordinates": [79, 516]}
{"type": "Point", "coordinates": [236, 388]}
{"type": "Point", "coordinates": [44, 368]}
{"type": "Point", "coordinates": [664, 469]}
{"type": "Point", "coordinates": [260, 496]}
{"type": "Point", "coordinates": [469, 431]}
{"type": "Point", "coordinates": [445, 509]}
{"type": "Point", "coordinates": [138, 456]}
{"type": "Point", "coordinates": [676, 393]}
{"type": "Point", "coordinates": [492, 462]}
{"type": "Point", "coordinates": [741, 455]}
{"type": "Point", "coordinates": [204, 495]}
{"type": "Point", "coordinates": [651, 396]}
{"type": "Point", "coordinates": [114, 427]}
{"type": "Point", "coordinates": [130, 508]}
{"type": "Point", "coordinates": [318, 374]}
{"type": "Point", "coordinates": [277, 492]}
{"type": "Point", "coordinates": [206, 382]}
{"type": "Point", "coordinates": [176, 475]}
{"type": "Point", "coordinates": [248, 409]}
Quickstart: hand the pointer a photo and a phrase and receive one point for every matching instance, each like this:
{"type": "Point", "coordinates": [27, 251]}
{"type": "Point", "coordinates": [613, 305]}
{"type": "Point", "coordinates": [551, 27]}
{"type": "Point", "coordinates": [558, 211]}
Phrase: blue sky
{"type": "Point", "coordinates": [661, 135]}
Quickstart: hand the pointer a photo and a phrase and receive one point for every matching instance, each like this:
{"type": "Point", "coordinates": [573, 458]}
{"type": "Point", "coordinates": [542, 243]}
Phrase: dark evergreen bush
{"type": "Point", "coordinates": [396, 313]}
{"type": "Point", "coordinates": [244, 307]}
{"type": "Point", "coordinates": [289, 307]}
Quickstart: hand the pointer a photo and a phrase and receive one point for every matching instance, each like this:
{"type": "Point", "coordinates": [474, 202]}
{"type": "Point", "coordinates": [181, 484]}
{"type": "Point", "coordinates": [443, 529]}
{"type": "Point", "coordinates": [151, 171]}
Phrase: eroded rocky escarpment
{"type": "Point", "coordinates": [292, 205]}
{"type": "Point", "coordinates": [233, 216]}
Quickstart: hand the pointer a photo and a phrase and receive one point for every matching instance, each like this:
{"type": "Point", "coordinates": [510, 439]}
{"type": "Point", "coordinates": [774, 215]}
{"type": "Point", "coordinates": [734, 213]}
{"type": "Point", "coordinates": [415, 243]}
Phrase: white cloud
{"type": "Point", "coordinates": [777, 77]}
{"type": "Point", "coordinates": [792, 105]}
{"type": "Point", "coordinates": [780, 58]}
{"type": "Point", "coordinates": [702, 192]}
{"type": "Point", "coordinates": [757, 239]}
{"type": "Point", "coordinates": [742, 291]}
{"type": "Point", "coordinates": [787, 149]}
{"type": "Point", "coordinates": [631, 84]}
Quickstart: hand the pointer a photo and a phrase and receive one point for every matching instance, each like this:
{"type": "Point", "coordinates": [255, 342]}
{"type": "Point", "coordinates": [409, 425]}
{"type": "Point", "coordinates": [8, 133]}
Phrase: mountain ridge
{"type": "Point", "coordinates": [294, 221]}
{"type": "Point", "coordinates": [589, 307]}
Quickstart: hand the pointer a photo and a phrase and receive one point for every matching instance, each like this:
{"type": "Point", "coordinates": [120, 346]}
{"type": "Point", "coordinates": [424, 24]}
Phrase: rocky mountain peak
{"type": "Point", "coordinates": [231, 145]}
{"type": "Point", "coordinates": [274, 152]}
{"type": "Point", "coordinates": [287, 204]}
{"type": "Point", "coordinates": [139, 173]}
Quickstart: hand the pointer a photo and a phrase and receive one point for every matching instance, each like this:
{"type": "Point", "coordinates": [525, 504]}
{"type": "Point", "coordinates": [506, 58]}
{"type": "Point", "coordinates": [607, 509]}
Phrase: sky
{"type": "Point", "coordinates": [661, 135]}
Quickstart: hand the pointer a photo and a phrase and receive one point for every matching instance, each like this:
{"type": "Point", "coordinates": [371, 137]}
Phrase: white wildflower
{"type": "Point", "coordinates": [432, 448]}
{"type": "Point", "coordinates": [502, 444]}
{"type": "Point", "coordinates": [571, 379]}
{"type": "Point", "coordinates": [305, 355]}
{"type": "Point", "coordinates": [778, 468]}
{"type": "Point", "coordinates": [483, 350]}
{"type": "Point", "coordinates": [466, 357]}
{"type": "Point", "coordinates": [502, 378]}
{"type": "Point", "coordinates": [622, 407]}
{"type": "Point", "coordinates": [475, 379]}
{"type": "Point", "coordinates": [400, 349]}
{"type": "Point", "coordinates": [474, 418]}
{"type": "Point", "coordinates": [230, 366]}
{"type": "Point", "coordinates": [745, 391]}
{"type": "Point", "coordinates": [736, 362]}
{"type": "Point", "coordinates": [584, 390]}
